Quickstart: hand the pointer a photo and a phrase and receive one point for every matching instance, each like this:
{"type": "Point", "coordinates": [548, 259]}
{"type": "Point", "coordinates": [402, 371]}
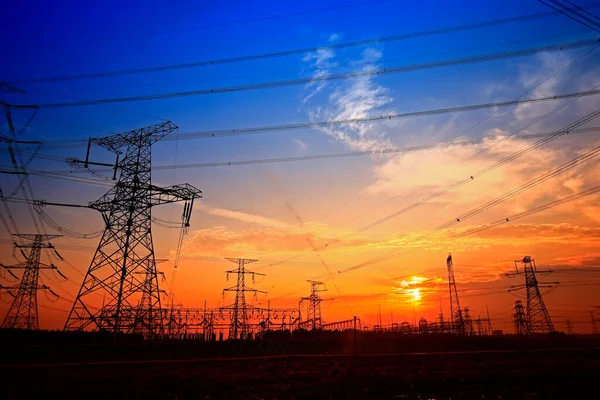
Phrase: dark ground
{"type": "Point", "coordinates": [537, 368]}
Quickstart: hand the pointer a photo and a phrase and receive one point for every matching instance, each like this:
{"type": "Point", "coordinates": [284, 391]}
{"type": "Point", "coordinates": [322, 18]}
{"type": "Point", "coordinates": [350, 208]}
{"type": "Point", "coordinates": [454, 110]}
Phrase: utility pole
{"type": "Point", "coordinates": [149, 310]}
{"type": "Point", "coordinates": [23, 312]}
{"type": "Point", "coordinates": [456, 314]}
{"type": "Point", "coordinates": [594, 323]}
{"type": "Point", "coordinates": [126, 246]}
{"type": "Point", "coordinates": [519, 319]}
{"type": "Point", "coordinates": [238, 329]}
{"type": "Point", "coordinates": [569, 326]}
{"type": "Point", "coordinates": [538, 319]}
{"type": "Point", "coordinates": [314, 304]}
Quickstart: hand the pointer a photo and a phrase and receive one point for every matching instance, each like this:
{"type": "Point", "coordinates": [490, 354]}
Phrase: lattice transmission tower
{"type": "Point", "coordinates": [538, 319]}
{"type": "Point", "coordinates": [126, 246]}
{"type": "Point", "coordinates": [519, 319]}
{"type": "Point", "coordinates": [456, 313]}
{"type": "Point", "coordinates": [239, 329]}
{"type": "Point", "coordinates": [313, 310]}
{"type": "Point", "coordinates": [23, 312]}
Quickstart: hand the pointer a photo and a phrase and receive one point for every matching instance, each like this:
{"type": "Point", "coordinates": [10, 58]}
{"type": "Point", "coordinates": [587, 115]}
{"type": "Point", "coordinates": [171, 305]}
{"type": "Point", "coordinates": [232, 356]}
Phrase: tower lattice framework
{"type": "Point", "coordinates": [23, 312]}
{"type": "Point", "coordinates": [313, 312]}
{"type": "Point", "coordinates": [238, 328]}
{"type": "Point", "coordinates": [124, 267]}
{"type": "Point", "coordinates": [456, 313]}
{"type": "Point", "coordinates": [538, 318]}
{"type": "Point", "coordinates": [519, 319]}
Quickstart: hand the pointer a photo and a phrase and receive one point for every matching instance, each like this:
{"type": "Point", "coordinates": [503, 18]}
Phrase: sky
{"type": "Point", "coordinates": [321, 218]}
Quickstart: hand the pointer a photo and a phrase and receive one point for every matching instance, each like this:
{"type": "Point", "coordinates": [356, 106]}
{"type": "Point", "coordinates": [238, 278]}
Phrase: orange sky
{"type": "Point", "coordinates": [312, 220]}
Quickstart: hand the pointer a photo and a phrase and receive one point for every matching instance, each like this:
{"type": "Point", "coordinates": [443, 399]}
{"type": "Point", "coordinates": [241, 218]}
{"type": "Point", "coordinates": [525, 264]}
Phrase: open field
{"type": "Point", "coordinates": [176, 372]}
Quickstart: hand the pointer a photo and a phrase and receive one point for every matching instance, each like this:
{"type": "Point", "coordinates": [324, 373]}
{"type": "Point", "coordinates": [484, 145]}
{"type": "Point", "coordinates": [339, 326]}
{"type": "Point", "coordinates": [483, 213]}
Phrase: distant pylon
{"type": "Point", "coordinates": [519, 318]}
{"type": "Point", "coordinates": [456, 313]}
{"type": "Point", "coordinates": [149, 314]}
{"type": "Point", "coordinates": [538, 319]}
{"type": "Point", "coordinates": [238, 328]}
{"type": "Point", "coordinates": [569, 326]}
{"type": "Point", "coordinates": [468, 322]}
{"type": "Point", "coordinates": [313, 314]}
{"type": "Point", "coordinates": [126, 246]}
{"type": "Point", "coordinates": [594, 323]}
{"type": "Point", "coordinates": [23, 312]}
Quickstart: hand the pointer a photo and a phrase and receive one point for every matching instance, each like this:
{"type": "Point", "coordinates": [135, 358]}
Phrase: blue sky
{"type": "Point", "coordinates": [47, 39]}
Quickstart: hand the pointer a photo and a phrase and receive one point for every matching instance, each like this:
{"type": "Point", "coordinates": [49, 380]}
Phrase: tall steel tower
{"type": "Point", "coordinates": [456, 313]}
{"type": "Point", "coordinates": [23, 312]}
{"type": "Point", "coordinates": [538, 319]}
{"type": "Point", "coordinates": [126, 246]}
{"type": "Point", "coordinates": [519, 319]}
{"type": "Point", "coordinates": [313, 312]}
{"type": "Point", "coordinates": [238, 329]}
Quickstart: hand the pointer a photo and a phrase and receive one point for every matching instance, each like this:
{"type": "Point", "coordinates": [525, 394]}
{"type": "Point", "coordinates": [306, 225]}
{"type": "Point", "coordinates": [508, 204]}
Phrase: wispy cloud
{"type": "Point", "coordinates": [300, 144]}
{"type": "Point", "coordinates": [243, 217]}
{"type": "Point", "coordinates": [356, 98]}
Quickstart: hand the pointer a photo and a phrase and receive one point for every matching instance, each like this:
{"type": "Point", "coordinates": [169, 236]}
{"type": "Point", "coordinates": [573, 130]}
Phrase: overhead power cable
{"type": "Point", "coordinates": [573, 14]}
{"type": "Point", "coordinates": [68, 143]}
{"type": "Point", "coordinates": [576, 196]}
{"type": "Point", "coordinates": [378, 152]}
{"type": "Point", "coordinates": [332, 77]}
{"type": "Point", "coordinates": [260, 56]}
{"type": "Point", "coordinates": [580, 122]}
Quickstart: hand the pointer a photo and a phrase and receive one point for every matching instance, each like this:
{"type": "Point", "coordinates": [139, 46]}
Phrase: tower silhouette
{"type": "Point", "coordinates": [519, 319]}
{"type": "Point", "coordinates": [538, 319]}
{"type": "Point", "coordinates": [126, 246]}
{"type": "Point", "coordinates": [456, 313]}
{"type": "Point", "coordinates": [313, 312]}
{"type": "Point", "coordinates": [238, 328]}
{"type": "Point", "coordinates": [23, 312]}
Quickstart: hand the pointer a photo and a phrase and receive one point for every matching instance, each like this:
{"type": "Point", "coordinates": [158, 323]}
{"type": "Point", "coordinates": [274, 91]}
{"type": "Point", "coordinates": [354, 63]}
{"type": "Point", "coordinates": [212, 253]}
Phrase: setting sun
{"type": "Point", "coordinates": [416, 294]}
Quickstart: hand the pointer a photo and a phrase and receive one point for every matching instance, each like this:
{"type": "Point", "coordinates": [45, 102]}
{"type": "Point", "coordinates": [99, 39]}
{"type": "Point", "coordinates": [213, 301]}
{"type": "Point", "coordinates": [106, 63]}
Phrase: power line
{"type": "Point", "coordinates": [378, 152]}
{"type": "Point", "coordinates": [71, 143]}
{"type": "Point", "coordinates": [333, 77]}
{"type": "Point", "coordinates": [383, 39]}
{"type": "Point", "coordinates": [535, 210]}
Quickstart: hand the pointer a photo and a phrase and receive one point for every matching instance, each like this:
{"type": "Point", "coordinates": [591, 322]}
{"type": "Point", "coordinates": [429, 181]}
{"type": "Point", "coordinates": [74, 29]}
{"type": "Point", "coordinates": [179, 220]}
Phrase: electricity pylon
{"type": "Point", "coordinates": [238, 329]}
{"type": "Point", "coordinates": [23, 312]}
{"type": "Point", "coordinates": [519, 319]}
{"type": "Point", "coordinates": [126, 246]}
{"type": "Point", "coordinates": [313, 312]}
{"type": "Point", "coordinates": [538, 319]}
{"type": "Point", "coordinates": [149, 311]}
{"type": "Point", "coordinates": [456, 313]}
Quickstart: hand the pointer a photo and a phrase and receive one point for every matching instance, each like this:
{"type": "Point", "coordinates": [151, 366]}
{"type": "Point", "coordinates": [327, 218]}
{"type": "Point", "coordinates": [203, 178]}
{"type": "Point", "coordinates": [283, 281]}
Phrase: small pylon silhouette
{"type": "Point", "coordinates": [538, 319]}
{"type": "Point", "coordinates": [520, 320]}
{"type": "Point", "coordinates": [239, 329]}
{"type": "Point", "coordinates": [23, 312]}
{"type": "Point", "coordinates": [456, 313]}
{"type": "Point", "coordinates": [313, 313]}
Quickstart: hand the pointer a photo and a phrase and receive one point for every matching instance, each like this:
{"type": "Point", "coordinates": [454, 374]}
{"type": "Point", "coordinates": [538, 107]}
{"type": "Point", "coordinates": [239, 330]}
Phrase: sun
{"type": "Point", "coordinates": [416, 294]}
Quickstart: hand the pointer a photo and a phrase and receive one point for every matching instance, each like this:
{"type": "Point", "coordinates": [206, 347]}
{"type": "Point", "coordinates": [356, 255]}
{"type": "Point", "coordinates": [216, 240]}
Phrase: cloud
{"type": "Point", "coordinates": [224, 241]}
{"type": "Point", "coordinates": [300, 144]}
{"type": "Point", "coordinates": [355, 98]}
{"type": "Point", "coordinates": [243, 217]}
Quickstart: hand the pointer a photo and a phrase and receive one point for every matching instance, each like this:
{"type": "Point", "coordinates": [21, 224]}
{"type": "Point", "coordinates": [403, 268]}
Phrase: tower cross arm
{"type": "Point", "coordinates": [146, 135]}
{"type": "Point", "coordinates": [171, 194]}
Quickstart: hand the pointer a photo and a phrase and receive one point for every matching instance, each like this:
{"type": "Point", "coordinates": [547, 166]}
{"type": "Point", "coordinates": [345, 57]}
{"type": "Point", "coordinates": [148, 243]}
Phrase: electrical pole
{"type": "Point", "coordinates": [23, 312]}
{"type": "Point", "coordinates": [519, 319]}
{"type": "Point", "coordinates": [126, 246]}
{"type": "Point", "coordinates": [594, 323]}
{"type": "Point", "coordinates": [238, 329]}
{"type": "Point", "coordinates": [456, 314]}
{"type": "Point", "coordinates": [569, 326]}
{"type": "Point", "coordinates": [538, 319]}
{"type": "Point", "coordinates": [313, 313]}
